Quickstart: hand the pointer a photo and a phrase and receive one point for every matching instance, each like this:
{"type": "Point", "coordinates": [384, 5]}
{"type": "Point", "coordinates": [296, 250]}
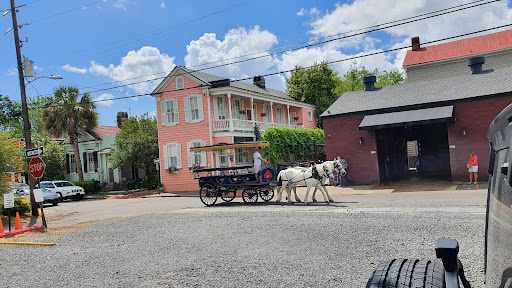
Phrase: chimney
{"type": "Point", "coordinates": [415, 42]}
{"type": "Point", "coordinates": [121, 117]}
{"type": "Point", "coordinates": [369, 83]}
{"type": "Point", "coordinates": [475, 64]}
{"type": "Point", "coordinates": [259, 81]}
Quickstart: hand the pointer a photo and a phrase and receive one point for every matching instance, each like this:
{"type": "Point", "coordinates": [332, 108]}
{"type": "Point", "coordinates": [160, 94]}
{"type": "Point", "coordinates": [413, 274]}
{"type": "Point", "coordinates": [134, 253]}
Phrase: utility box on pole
{"type": "Point", "coordinates": [29, 67]}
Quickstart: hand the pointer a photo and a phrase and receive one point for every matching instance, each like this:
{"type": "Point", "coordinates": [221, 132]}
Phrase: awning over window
{"type": "Point", "coordinates": [407, 118]}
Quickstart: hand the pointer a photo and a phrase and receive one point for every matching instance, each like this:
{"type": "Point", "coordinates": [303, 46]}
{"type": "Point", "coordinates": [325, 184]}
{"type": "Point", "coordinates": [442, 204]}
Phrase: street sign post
{"type": "Point", "coordinates": [35, 152]}
{"type": "Point", "coordinates": [38, 195]}
{"type": "Point", "coordinates": [36, 167]}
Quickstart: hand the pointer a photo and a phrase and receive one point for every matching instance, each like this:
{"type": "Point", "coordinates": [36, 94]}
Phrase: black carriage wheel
{"type": "Point", "coordinates": [267, 194]}
{"type": "Point", "coordinates": [208, 194]}
{"type": "Point", "coordinates": [405, 273]}
{"type": "Point", "coordinates": [228, 195]}
{"type": "Point", "coordinates": [250, 195]}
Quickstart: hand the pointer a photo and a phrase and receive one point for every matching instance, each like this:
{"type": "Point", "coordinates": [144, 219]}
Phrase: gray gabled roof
{"type": "Point", "coordinates": [426, 92]}
{"type": "Point", "coordinates": [205, 79]}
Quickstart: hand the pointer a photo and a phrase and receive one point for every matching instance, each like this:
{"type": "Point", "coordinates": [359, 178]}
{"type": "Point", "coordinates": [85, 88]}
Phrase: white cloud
{"type": "Point", "coordinates": [72, 69]}
{"type": "Point", "coordinates": [162, 5]}
{"type": "Point", "coordinates": [12, 71]}
{"type": "Point", "coordinates": [104, 99]}
{"type": "Point", "coordinates": [137, 66]}
{"type": "Point", "coordinates": [121, 4]}
{"type": "Point", "coordinates": [365, 13]}
{"type": "Point", "coordinates": [236, 42]}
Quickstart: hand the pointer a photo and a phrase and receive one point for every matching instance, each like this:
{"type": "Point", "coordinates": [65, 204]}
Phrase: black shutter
{"type": "Point", "coordinates": [95, 155]}
{"type": "Point", "coordinates": [85, 162]}
{"type": "Point", "coordinates": [67, 164]}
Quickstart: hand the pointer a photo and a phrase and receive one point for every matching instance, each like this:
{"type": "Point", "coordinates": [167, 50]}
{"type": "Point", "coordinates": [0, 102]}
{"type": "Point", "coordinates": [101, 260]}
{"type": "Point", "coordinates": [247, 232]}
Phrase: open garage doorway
{"type": "Point", "coordinates": [419, 151]}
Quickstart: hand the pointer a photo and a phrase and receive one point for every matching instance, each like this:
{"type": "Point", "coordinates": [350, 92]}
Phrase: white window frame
{"type": "Point", "coordinates": [293, 115]}
{"type": "Point", "coordinates": [196, 158]}
{"type": "Point", "coordinates": [172, 157]}
{"type": "Point", "coordinates": [266, 110]}
{"type": "Point", "coordinates": [180, 82]}
{"type": "Point", "coordinates": [193, 108]}
{"type": "Point", "coordinates": [236, 110]}
{"type": "Point", "coordinates": [221, 113]}
{"type": "Point", "coordinates": [280, 115]}
{"type": "Point", "coordinates": [240, 158]}
{"type": "Point", "coordinates": [90, 161]}
{"type": "Point", "coordinates": [170, 114]}
{"type": "Point", "coordinates": [223, 154]}
{"type": "Point", "coordinates": [310, 115]}
{"type": "Point", "coordinates": [72, 161]}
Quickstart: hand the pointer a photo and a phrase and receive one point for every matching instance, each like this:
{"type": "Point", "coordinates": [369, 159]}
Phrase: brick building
{"type": "Point", "coordinates": [426, 127]}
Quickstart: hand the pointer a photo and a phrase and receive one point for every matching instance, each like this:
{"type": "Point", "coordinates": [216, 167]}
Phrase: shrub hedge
{"type": "Point", "coordinates": [89, 186]}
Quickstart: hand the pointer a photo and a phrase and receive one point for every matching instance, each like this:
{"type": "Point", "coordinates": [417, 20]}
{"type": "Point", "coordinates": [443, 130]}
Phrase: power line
{"type": "Point", "coordinates": [302, 68]}
{"type": "Point", "coordinates": [64, 12]}
{"type": "Point", "coordinates": [374, 29]}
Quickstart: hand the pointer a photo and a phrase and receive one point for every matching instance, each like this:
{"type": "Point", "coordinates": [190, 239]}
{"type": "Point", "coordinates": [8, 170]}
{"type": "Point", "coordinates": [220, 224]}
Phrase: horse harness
{"type": "Point", "coordinates": [314, 174]}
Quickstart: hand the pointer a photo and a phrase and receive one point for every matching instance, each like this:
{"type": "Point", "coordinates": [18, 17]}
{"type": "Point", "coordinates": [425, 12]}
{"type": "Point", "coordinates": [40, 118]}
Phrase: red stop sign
{"type": "Point", "coordinates": [36, 167]}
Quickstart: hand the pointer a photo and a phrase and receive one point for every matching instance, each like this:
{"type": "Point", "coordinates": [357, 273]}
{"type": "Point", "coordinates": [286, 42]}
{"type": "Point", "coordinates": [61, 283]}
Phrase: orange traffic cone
{"type": "Point", "coordinates": [17, 224]}
{"type": "Point", "coordinates": [1, 227]}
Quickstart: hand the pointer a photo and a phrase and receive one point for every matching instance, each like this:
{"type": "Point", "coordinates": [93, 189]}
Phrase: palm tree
{"type": "Point", "coordinates": [71, 114]}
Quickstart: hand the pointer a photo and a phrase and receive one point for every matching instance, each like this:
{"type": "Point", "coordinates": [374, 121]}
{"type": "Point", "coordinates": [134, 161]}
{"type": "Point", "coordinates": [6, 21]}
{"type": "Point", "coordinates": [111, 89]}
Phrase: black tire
{"type": "Point", "coordinates": [208, 194]}
{"type": "Point", "coordinates": [55, 203]}
{"type": "Point", "coordinates": [80, 197]}
{"type": "Point", "coordinates": [267, 194]}
{"type": "Point", "coordinates": [228, 195]}
{"type": "Point", "coordinates": [250, 195]}
{"type": "Point", "coordinates": [408, 273]}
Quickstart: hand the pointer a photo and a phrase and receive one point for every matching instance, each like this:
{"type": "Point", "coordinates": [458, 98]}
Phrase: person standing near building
{"type": "Point", "coordinates": [257, 161]}
{"type": "Point", "coordinates": [342, 178]}
{"type": "Point", "coordinates": [473, 168]}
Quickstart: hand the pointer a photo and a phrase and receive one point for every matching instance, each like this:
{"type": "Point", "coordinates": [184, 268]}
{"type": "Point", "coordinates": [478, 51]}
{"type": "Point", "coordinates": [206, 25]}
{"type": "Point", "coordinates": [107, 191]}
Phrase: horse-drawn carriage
{"type": "Point", "coordinates": [224, 182]}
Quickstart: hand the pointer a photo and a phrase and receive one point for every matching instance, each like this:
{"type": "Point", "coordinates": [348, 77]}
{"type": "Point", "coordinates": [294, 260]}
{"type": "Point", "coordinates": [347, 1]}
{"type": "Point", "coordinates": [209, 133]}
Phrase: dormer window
{"type": "Point", "coordinates": [180, 82]}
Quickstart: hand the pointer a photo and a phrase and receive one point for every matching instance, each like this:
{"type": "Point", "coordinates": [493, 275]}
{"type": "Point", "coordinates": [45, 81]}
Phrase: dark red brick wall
{"type": "Point", "coordinates": [475, 116]}
{"type": "Point", "coordinates": [342, 138]}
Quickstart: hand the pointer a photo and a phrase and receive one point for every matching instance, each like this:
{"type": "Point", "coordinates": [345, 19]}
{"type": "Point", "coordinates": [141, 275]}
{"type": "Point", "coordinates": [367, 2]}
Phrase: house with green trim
{"type": "Point", "coordinates": [95, 147]}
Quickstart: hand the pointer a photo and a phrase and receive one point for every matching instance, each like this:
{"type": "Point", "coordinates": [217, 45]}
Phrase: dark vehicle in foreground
{"type": "Point", "coordinates": [449, 272]}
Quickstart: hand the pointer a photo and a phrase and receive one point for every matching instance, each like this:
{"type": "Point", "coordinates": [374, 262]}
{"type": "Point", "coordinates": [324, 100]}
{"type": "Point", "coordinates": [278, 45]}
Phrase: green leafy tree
{"type": "Point", "coordinates": [70, 114]}
{"type": "Point", "coordinates": [137, 143]}
{"type": "Point", "coordinates": [353, 79]}
{"type": "Point", "coordinates": [53, 157]}
{"type": "Point", "coordinates": [9, 162]}
{"type": "Point", "coordinates": [314, 85]}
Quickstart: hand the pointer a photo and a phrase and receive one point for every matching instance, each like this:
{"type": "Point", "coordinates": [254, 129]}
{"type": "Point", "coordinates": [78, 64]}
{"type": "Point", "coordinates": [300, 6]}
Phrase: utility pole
{"type": "Point", "coordinates": [24, 107]}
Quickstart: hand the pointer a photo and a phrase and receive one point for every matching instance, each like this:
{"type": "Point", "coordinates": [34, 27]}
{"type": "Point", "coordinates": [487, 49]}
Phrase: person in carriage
{"type": "Point", "coordinates": [256, 156]}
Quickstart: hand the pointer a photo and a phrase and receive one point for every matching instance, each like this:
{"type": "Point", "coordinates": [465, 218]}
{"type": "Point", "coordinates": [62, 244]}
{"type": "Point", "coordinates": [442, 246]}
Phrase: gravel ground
{"type": "Point", "coordinates": [239, 246]}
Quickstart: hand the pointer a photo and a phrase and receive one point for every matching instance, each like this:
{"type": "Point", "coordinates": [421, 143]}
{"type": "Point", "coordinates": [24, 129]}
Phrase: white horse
{"type": "Point", "coordinates": [338, 167]}
{"type": "Point", "coordinates": [310, 177]}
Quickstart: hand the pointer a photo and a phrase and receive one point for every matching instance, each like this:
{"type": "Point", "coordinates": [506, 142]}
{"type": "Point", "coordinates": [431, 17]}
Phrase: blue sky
{"type": "Point", "coordinates": [97, 45]}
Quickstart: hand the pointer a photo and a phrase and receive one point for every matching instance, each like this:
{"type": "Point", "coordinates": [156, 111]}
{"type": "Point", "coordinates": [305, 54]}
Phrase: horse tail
{"type": "Point", "coordinates": [279, 180]}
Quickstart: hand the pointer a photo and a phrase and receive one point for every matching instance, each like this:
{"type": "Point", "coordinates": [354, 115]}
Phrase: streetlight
{"type": "Point", "coordinates": [53, 77]}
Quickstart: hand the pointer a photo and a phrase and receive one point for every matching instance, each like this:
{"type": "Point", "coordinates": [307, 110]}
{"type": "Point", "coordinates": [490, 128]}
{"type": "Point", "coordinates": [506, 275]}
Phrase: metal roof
{"type": "Point", "coordinates": [407, 118]}
{"type": "Point", "coordinates": [438, 92]}
{"type": "Point", "coordinates": [206, 79]}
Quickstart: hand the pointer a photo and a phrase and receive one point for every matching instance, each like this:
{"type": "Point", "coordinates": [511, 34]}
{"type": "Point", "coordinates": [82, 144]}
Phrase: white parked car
{"type": "Point", "coordinates": [65, 189]}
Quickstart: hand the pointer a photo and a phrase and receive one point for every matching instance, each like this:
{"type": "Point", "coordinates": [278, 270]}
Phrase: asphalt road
{"type": "Point", "coordinates": [238, 245]}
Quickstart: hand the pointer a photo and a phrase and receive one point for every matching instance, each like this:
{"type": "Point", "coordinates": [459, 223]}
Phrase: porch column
{"type": "Point", "coordinates": [252, 111]}
{"type": "Point", "coordinates": [230, 113]}
{"type": "Point", "coordinates": [289, 124]}
{"type": "Point", "coordinates": [302, 117]}
{"type": "Point", "coordinates": [271, 113]}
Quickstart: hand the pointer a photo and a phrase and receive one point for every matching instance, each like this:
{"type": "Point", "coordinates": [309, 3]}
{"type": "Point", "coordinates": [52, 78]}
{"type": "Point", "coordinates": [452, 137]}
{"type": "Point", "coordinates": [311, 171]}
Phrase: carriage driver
{"type": "Point", "coordinates": [257, 161]}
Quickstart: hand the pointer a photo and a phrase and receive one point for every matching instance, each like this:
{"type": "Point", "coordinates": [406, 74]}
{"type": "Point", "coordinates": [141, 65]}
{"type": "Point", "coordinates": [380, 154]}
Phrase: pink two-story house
{"type": "Point", "coordinates": [198, 109]}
